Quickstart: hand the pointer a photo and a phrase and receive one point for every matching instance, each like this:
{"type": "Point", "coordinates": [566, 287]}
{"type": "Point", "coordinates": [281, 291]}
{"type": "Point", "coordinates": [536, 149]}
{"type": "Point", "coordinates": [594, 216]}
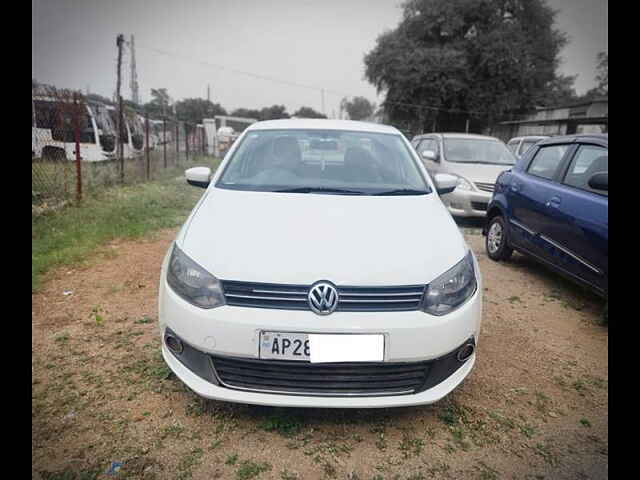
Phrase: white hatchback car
{"type": "Point", "coordinates": [320, 269]}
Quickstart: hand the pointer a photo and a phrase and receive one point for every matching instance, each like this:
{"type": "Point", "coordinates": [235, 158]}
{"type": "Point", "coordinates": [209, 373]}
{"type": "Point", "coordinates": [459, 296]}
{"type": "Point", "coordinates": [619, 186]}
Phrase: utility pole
{"type": "Point", "coordinates": [119, 43]}
{"type": "Point", "coordinates": [135, 95]}
{"type": "Point", "coordinates": [322, 93]}
{"type": "Point", "coordinates": [208, 93]}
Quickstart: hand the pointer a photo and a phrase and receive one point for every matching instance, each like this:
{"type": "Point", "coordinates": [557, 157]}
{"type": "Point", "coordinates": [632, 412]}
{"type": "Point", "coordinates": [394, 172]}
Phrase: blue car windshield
{"type": "Point", "coordinates": [324, 161]}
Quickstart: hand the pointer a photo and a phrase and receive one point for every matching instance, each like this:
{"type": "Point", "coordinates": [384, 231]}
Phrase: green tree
{"type": "Point", "coordinates": [450, 57]}
{"type": "Point", "coordinates": [359, 108]}
{"type": "Point", "coordinates": [159, 104]}
{"type": "Point", "coordinates": [308, 112]}
{"type": "Point", "coordinates": [602, 77]}
{"type": "Point", "coordinates": [193, 110]}
{"type": "Point", "coordinates": [274, 112]}
{"type": "Point", "coordinates": [246, 113]}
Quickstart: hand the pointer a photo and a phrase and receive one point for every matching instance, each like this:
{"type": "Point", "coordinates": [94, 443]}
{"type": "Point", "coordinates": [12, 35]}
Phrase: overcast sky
{"type": "Point", "coordinates": [183, 46]}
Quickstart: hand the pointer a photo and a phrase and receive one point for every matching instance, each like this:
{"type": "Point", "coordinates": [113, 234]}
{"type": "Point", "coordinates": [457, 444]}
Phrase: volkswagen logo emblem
{"type": "Point", "coordinates": [323, 298]}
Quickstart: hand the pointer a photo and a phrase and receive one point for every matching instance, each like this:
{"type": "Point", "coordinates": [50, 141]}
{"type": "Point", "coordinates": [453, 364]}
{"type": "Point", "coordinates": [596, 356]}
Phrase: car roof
{"type": "Point", "coordinates": [457, 135]}
{"type": "Point", "coordinates": [601, 138]}
{"type": "Point", "coordinates": [530, 137]}
{"type": "Point", "coordinates": [323, 124]}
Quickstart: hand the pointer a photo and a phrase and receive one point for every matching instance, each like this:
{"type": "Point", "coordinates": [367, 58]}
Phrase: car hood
{"type": "Point", "coordinates": [302, 238]}
{"type": "Point", "coordinates": [477, 172]}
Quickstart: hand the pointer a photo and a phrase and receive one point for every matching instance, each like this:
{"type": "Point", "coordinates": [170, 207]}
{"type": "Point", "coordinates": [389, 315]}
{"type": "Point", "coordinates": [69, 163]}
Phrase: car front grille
{"type": "Point", "coordinates": [485, 187]}
{"type": "Point", "coordinates": [330, 379]}
{"type": "Point", "coordinates": [294, 297]}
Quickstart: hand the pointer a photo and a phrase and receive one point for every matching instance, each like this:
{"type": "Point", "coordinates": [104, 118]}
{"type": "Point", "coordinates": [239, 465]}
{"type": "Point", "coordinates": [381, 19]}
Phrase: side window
{"type": "Point", "coordinates": [547, 160]}
{"type": "Point", "coordinates": [429, 144]}
{"type": "Point", "coordinates": [589, 159]}
{"type": "Point", "coordinates": [512, 145]}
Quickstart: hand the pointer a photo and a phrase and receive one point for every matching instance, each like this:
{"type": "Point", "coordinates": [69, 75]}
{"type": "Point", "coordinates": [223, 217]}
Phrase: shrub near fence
{"type": "Point", "coordinates": [74, 147]}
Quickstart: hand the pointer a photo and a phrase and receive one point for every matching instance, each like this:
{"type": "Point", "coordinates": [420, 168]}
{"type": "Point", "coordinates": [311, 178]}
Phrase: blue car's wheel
{"type": "Point", "coordinates": [496, 241]}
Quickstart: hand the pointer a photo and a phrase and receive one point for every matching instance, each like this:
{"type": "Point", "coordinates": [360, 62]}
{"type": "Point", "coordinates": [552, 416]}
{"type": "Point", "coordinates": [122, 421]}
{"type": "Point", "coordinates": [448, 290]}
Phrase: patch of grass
{"type": "Point", "coordinates": [514, 299]}
{"type": "Point", "coordinates": [411, 446]}
{"type": "Point", "coordinates": [231, 459]}
{"type": "Point", "coordinates": [144, 320]}
{"type": "Point", "coordinates": [250, 469]}
{"type": "Point", "coordinates": [285, 424]}
{"type": "Point", "coordinates": [72, 234]}
{"type": "Point", "coordinates": [586, 423]}
{"type": "Point", "coordinates": [62, 338]}
{"type": "Point", "coordinates": [287, 475]}
{"type": "Point", "coordinates": [70, 475]}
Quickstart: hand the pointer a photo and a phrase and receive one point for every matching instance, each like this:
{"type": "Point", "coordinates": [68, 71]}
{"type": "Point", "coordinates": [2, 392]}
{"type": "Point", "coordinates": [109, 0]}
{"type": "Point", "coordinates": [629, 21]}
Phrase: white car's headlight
{"type": "Point", "coordinates": [192, 282]}
{"type": "Point", "coordinates": [451, 289]}
{"type": "Point", "coordinates": [464, 184]}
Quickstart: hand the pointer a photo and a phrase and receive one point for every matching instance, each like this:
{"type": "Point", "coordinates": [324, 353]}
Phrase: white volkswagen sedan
{"type": "Point", "coordinates": [320, 269]}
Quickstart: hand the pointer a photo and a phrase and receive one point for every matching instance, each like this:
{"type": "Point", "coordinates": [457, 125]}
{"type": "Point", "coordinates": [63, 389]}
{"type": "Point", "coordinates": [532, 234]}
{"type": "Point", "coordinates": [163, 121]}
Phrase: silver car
{"type": "Point", "coordinates": [519, 145]}
{"type": "Point", "coordinates": [476, 160]}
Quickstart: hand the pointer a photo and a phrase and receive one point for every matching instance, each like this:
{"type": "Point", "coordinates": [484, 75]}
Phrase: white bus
{"type": "Point", "coordinates": [53, 131]}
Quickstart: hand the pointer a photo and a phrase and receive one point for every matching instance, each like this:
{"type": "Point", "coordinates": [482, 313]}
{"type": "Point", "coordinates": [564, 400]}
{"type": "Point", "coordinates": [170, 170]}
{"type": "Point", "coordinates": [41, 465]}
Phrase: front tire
{"type": "Point", "coordinates": [496, 242]}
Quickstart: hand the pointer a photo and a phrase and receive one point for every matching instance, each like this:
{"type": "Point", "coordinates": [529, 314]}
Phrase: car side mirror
{"type": "Point", "coordinates": [198, 176]}
{"type": "Point", "coordinates": [600, 181]}
{"type": "Point", "coordinates": [430, 155]}
{"type": "Point", "coordinates": [445, 183]}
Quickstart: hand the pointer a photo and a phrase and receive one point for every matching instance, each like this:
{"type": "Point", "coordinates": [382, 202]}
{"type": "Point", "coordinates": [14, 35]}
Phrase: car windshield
{"type": "Point", "coordinates": [323, 161]}
{"type": "Point", "coordinates": [476, 150]}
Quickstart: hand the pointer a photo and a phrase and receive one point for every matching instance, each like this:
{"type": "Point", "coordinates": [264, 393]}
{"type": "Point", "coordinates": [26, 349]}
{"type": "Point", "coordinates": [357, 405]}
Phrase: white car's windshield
{"type": "Point", "coordinates": [476, 150]}
{"type": "Point", "coordinates": [323, 161]}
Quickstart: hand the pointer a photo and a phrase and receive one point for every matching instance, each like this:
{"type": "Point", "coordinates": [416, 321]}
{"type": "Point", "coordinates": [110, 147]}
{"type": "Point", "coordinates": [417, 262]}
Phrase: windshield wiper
{"type": "Point", "coordinates": [339, 191]}
{"type": "Point", "coordinates": [401, 191]}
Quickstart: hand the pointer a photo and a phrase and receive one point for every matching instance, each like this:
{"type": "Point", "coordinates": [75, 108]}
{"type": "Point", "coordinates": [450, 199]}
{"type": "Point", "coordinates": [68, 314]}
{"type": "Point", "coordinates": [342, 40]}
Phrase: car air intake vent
{"type": "Point", "coordinates": [330, 379]}
{"type": "Point", "coordinates": [485, 187]}
{"type": "Point", "coordinates": [294, 297]}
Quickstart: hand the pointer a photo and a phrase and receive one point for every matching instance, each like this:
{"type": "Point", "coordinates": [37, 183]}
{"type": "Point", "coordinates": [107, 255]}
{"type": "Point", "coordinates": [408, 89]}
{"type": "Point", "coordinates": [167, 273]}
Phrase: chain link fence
{"type": "Point", "coordinates": [76, 149]}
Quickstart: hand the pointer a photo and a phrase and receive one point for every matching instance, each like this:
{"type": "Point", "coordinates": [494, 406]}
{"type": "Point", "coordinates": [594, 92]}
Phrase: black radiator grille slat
{"type": "Point", "coordinates": [351, 378]}
{"type": "Point", "coordinates": [294, 297]}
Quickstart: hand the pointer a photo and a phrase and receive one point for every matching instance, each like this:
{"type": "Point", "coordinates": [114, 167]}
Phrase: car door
{"type": "Point", "coordinates": [576, 230]}
{"type": "Point", "coordinates": [529, 190]}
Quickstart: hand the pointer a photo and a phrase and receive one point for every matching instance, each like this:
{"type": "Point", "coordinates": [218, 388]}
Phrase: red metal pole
{"type": "Point", "coordinates": [77, 139]}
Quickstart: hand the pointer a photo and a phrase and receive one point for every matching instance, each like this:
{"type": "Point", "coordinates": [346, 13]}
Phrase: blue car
{"type": "Point", "coordinates": [553, 205]}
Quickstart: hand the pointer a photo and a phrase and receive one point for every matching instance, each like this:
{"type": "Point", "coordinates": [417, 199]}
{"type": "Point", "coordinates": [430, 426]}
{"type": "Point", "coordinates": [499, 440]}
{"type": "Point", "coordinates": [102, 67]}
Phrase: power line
{"type": "Point", "coordinates": [300, 85]}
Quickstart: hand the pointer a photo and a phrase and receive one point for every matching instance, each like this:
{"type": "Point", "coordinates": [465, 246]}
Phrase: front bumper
{"type": "Point", "coordinates": [229, 331]}
{"type": "Point", "coordinates": [467, 203]}
{"type": "Point", "coordinates": [211, 391]}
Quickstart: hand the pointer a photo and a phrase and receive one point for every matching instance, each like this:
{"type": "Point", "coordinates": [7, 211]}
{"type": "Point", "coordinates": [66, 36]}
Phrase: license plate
{"type": "Point", "coordinates": [322, 348]}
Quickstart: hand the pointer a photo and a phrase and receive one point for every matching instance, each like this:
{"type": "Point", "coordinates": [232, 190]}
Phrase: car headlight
{"type": "Point", "coordinates": [192, 282]}
{"type": "Point", "coordinates": [451, 289]}
{"type": "Point", "coordinates": [463, 184]}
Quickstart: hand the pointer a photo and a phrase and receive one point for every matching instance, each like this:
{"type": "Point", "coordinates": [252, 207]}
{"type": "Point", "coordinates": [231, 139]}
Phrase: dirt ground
{"type": "Point", "coordinates": [535, 406]}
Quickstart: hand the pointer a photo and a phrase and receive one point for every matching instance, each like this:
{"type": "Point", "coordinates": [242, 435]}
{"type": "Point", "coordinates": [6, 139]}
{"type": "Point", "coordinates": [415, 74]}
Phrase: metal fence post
{"type": "Point", "coordinates": [177, 142]}
{"type": "Point", "coordinates": [186, 141]}
{"type": "Point", "coordinates": [76, 122]}
{"type": "Point", "coordinates": [146, 130]}
{"type": "Point", "coordinates": [164, 141]}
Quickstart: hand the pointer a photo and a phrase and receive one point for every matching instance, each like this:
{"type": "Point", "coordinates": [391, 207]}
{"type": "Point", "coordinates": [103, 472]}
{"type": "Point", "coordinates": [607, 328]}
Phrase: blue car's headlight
{"type": "Point", "coordinates": [451, 289]}
{"type": "Point", "coordinates": [192, 282]}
